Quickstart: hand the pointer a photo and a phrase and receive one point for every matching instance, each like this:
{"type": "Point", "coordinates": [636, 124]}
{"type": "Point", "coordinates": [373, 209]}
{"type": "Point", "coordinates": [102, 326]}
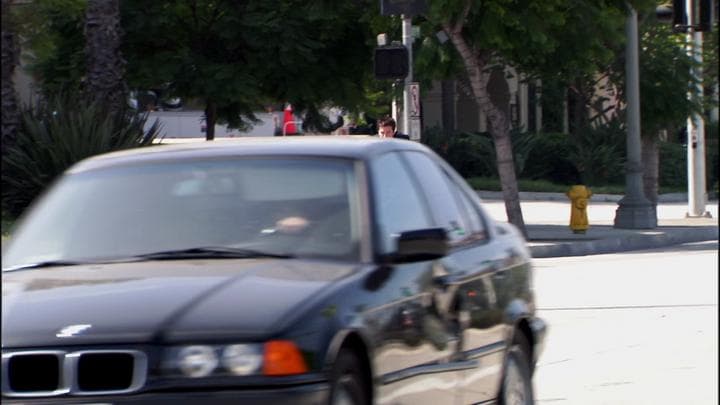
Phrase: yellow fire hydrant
{"type": "Point", "coordinates": [579, 196]}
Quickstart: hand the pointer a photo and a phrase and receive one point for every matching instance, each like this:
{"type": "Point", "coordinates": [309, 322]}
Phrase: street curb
{"type": "Point", "coordinates": [623, 244]}
{"type": "Point", "coordinates": [547, 196]}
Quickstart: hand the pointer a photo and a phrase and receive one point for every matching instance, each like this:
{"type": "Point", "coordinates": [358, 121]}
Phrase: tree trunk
{"type": "Point", "coordinates": [10, 57]}
{"type": "Point", "coordinates": [651, 167]}
{"type": "Point", "coordinates": [210, 119]}
{"type": "Point", "coordinates": [576, 104]}
{"type": "Point", "coordinates": [496, 107]}
{"type": "Point", "coordinates": [448, 105]}
{"type": "Point", "coordinates": [498, 114]}
{"type": "Point", "coordinates": [105, 65]}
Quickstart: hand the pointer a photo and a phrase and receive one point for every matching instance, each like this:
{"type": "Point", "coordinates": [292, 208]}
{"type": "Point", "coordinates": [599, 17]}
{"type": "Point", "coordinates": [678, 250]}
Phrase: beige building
{"type": "Point", "coordinates": [526, 112]}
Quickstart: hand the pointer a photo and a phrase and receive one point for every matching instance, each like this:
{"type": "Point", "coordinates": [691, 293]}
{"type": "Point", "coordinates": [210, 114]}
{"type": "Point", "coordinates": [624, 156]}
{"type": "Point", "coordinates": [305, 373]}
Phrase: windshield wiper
{"type": "Point", "coordinates": [48, 263]}
{"type": "Point", "coordinates": [210, 252]}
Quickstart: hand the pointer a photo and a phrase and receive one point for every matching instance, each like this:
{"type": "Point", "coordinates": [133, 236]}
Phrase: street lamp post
{"type": "Point", "coordinates": [695, 123]}
{"type": "Point", "coordinates": [634, 211]}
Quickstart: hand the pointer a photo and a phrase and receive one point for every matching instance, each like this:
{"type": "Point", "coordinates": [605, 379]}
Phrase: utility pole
{"type": "Point", "coordinates": [634, 211]}
{"type": "Point", "coordinates": [697, 195]}
{"type": "Point", "coordinates": [406, 9]}
{"type": "Point", "coordinates": [407, 40]}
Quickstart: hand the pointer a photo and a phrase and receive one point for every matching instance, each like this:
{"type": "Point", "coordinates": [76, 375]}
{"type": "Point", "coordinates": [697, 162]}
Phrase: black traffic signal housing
{"type": "Point", "coordinates": [391, 62]}
{"type": "Point", "coordinates": [679, 16]}
{"type": "Point", "coordinates": [407, 8]}
{"type": "Point", "coordinates": [707, 9]}
{"type": "Point", "coordinates": [703, 21]}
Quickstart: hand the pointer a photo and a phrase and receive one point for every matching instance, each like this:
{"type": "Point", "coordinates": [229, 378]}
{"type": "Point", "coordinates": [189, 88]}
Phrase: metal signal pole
{"type": "Point", "coordinates": [697, 195]}
{"type": "Point", "coordinates": [634, 211]}
{"type": "Point", "coordinates": [407, 40]}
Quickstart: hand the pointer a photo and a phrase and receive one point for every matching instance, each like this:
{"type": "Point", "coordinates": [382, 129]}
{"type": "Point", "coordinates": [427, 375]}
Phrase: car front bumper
{"type": "Point", "coordinates": [317, 393]}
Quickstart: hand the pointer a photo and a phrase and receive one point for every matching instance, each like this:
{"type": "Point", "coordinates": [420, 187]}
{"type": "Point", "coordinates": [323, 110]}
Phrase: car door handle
{"type": "Point", "coordinates": [500, 275]}
{"type": "Point", "coordinates": [449, 279]}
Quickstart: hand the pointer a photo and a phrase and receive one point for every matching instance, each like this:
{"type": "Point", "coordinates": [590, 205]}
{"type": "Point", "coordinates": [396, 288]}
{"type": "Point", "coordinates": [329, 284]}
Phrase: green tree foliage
{"type": "Point", "coordinates": [598, 153]}
{"type": "Point", "coordinates": [10, 53]}
{"type": "Point", "coordinates": [711, 56]}
{"type": "Point", "coordinates": [665, 81]}
{"type": "Point", "coordinates": [665, 77]}
{"type": "Point", "coordinates": [58, 133]}
{"type": "Point", "coordinates": [550, 38]}
{"type": "Point", "coordinates": [55, 40]}
{"type": "Point", "coordinates": [238, 55]}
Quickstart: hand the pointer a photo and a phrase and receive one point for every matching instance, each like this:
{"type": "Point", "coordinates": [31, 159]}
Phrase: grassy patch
{"type": "Point", "coordinates": [493, 184]}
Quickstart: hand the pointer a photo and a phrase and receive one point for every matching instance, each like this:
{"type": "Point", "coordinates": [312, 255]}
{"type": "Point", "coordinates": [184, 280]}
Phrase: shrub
{"type": "Point", "coordinates": [673, 165]}
{"type": "Point", "coordinates": [598, 153]}
{"type": "Point", "coordinates": [58, 133]}
{"type": "Point", "coordinates": [549, 160]}
{"type": "Point", "coordinates": [470, 154]}
{"type": "Point", "coordinates": [473, 154]}
{"type": "Point", "coordinates": [673, 171]}
{"type": "Point", "coordinates": [592, 156]}
{"type": "Point", "coordinates": [712, 162]}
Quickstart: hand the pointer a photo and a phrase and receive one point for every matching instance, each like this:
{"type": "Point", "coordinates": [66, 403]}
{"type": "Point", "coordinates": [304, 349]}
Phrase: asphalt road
{"type": "Point", "coordinates": [630, 328]}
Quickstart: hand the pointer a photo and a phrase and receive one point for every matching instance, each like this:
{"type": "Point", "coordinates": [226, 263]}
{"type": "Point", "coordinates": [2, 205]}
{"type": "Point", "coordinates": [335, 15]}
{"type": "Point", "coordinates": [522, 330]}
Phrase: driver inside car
{"type": "Point", "coordinates": [292, 225]}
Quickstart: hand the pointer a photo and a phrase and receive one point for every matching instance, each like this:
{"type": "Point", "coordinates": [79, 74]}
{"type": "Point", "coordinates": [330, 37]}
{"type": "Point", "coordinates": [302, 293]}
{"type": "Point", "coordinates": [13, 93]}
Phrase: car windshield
{"type": "Point", "coordinates": [261, 207]}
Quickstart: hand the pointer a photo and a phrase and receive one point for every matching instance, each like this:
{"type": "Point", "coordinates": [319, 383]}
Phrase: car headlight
{"type": "Point", "coordinates": [273, 358]}
{"type": "Point", "coordinates": [197, 361]}
{"type": "Point", "coordinates": [242, 359]}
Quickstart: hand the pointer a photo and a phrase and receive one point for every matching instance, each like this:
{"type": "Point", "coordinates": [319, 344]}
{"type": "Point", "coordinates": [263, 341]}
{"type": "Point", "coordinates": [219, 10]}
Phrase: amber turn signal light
{"type": "Point", "coordinates": [282, 357]}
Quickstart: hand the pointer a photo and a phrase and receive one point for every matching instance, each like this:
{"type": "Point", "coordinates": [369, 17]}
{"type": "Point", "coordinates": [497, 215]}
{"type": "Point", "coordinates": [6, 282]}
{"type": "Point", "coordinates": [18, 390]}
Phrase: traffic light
{"type": "Point", "coordinates": [407, 8]}
{"type": "Point", "coordinates": [706, 15]}
{"type": "Point", "coordinates": [680, 19]}
{"type": "Point", "coordinates": [391, 62]}
{"type": "Point", "coordinates": [703, 15]}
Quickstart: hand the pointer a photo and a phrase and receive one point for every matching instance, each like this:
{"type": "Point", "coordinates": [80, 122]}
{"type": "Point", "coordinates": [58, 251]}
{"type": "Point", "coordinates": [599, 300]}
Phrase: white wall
{"type": "Point", "coordinates": [189, 124]}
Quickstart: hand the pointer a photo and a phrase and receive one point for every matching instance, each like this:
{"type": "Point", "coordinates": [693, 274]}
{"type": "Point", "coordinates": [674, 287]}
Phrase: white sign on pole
{"type": "Point", "coordinates": [414, 129]}
{"type": "Point", "coordinates": [414, 112]}
{"type": "Point", "coordinates": [414, 100]}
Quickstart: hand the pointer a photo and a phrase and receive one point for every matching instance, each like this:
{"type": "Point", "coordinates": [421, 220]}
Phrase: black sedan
{"type": "Point", "coordinates": [306, 270]}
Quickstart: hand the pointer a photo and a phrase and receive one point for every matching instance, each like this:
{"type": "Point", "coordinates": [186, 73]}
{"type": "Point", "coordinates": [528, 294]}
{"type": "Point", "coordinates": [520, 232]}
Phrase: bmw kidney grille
{"type": "Point", "coordinates": [89, 372]}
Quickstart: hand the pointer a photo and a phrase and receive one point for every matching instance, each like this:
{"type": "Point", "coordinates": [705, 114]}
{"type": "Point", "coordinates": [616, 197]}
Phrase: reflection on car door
{"type": "Point", "coordinates": [471, 271]}
{"type": "Point", "coordinates": [414, 342]}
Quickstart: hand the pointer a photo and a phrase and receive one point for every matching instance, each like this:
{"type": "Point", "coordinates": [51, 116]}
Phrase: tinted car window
{"type": "Point", "coordinates": [120, 212]}
{"type": "Point", "coordinates": [445, 198]}
{"type": "Point", "coordinates": [398, 206]}
{"type": "Point", "coordinates": [470, 210]}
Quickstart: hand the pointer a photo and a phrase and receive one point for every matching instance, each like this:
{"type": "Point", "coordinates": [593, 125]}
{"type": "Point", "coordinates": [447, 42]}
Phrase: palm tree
{"type": "Point", "coordinates": [10, 57]}
{"type": "Point", "coordinates": [105, 65]}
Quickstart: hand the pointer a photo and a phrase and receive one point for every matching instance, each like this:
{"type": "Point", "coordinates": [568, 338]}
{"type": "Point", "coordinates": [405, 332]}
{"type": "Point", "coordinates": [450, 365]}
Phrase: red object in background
{"type": "Point", "coordinates": [288, 121]}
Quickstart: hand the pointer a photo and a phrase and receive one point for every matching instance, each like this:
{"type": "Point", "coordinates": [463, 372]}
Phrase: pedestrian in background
{"type": "Point", "coordinates": [387, 129]}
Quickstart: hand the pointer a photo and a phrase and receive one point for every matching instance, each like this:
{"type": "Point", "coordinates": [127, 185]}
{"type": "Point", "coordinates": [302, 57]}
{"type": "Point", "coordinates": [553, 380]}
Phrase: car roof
{"type": "Point", "coordinates": [339, 146]}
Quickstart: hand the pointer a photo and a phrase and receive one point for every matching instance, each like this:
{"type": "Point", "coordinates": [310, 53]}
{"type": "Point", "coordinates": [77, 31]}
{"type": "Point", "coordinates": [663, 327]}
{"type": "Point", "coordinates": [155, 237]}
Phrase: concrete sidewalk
{"type": "Point", "coordinates": [547, 216]}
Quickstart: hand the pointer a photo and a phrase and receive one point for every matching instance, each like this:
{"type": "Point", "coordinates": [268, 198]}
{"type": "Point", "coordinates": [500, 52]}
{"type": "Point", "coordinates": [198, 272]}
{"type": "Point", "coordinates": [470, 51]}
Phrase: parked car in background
{"type": "Point", "coordinates": [305, 270]}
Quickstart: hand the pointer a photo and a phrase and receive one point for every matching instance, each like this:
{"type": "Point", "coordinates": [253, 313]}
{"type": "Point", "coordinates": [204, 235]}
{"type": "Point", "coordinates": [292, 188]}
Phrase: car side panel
{"type": "Point", "coordinates": [481, 320]}
{"type": "Point", "coordinates": [412, 344]}
{"type": "Point", "coordinates": [489, 330]}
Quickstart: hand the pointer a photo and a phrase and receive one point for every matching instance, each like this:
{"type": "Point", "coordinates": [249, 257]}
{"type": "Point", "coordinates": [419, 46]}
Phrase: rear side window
{"type": "Point", "coordinates": [474, 220]}
{"type": "Point", "coordinates": [450, 207]}
{"type": "Point", "coordinates": [398, 206]}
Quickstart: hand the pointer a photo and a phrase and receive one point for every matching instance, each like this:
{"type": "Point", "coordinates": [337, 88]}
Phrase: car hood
{"type": "Point", "coordinates": [169, 300]}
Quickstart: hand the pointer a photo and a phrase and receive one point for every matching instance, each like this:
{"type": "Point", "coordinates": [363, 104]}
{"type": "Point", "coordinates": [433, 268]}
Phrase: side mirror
{"type": "Point", "coordinates": [421, 245]}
